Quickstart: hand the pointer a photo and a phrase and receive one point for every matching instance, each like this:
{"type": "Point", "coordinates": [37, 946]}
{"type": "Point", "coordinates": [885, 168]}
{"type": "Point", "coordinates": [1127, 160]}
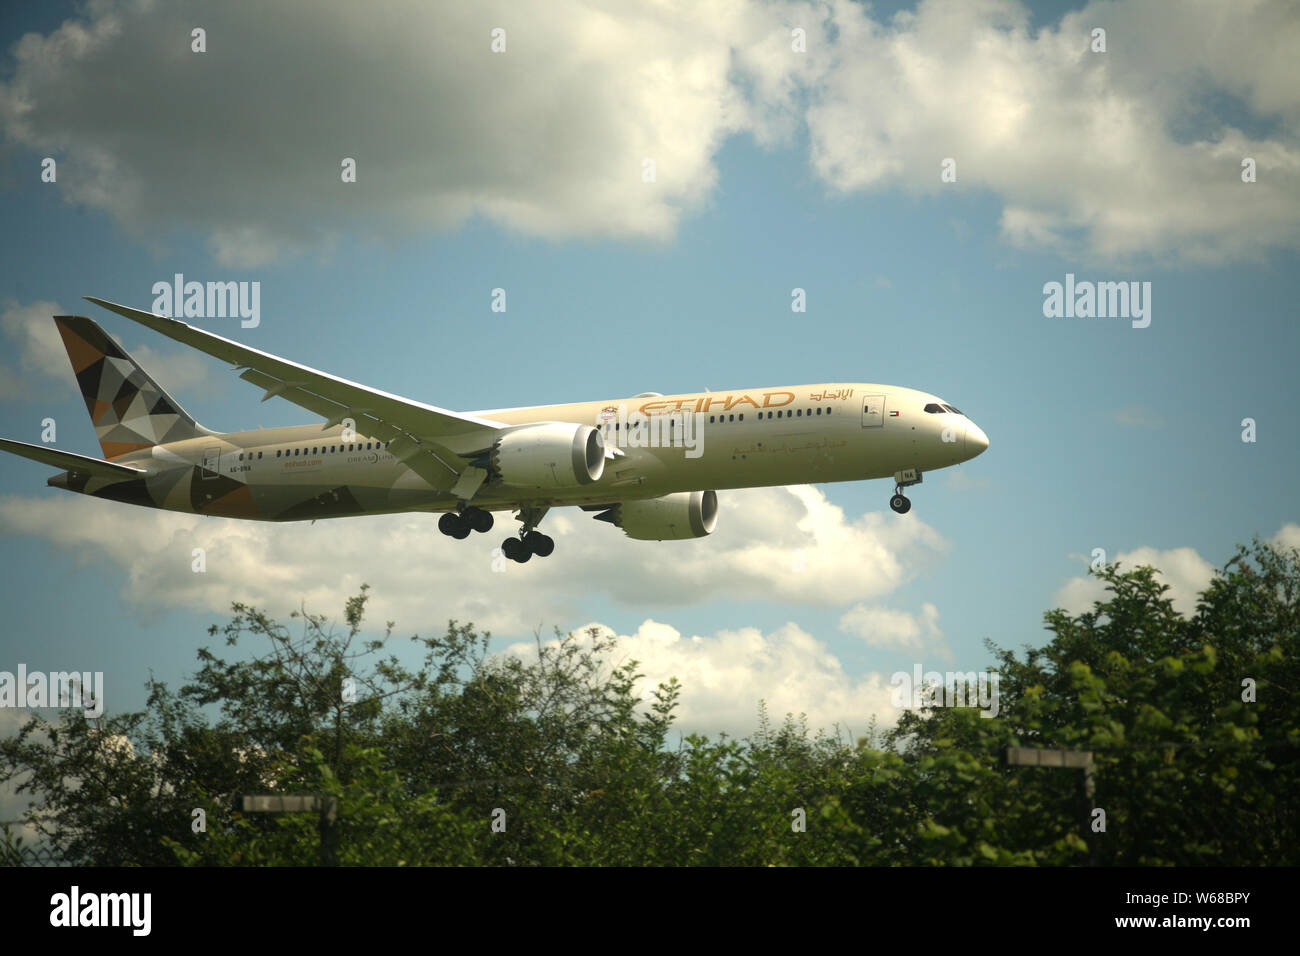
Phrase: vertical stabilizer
{"type": "Point", "coordinates": [130, 411]}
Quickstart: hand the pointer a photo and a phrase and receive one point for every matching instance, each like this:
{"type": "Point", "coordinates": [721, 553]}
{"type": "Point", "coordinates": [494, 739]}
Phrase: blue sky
{"type": "Point", "coordinates": [817, 171]}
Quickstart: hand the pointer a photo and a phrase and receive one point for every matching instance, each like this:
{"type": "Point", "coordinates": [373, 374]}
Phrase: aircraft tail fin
{"type": "Point", "coordinates": [129, 409]}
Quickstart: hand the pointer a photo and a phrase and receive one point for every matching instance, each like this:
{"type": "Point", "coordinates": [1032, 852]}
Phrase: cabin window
{"type": "Point", "coordinates": [277, 454]}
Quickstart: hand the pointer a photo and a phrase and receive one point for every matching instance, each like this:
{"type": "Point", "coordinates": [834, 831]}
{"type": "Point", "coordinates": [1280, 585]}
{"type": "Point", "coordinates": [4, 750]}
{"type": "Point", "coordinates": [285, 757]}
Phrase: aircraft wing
{"type": "Point", "coordinates": [68, 461]}
{"type": "Point", "coordinates": [428, 439]}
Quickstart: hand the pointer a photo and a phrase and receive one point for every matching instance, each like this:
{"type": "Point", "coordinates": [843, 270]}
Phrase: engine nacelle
{"type": "Point", "coordinates": [550, 455]}
{"type": "Point", "coordinates": [688, 514]}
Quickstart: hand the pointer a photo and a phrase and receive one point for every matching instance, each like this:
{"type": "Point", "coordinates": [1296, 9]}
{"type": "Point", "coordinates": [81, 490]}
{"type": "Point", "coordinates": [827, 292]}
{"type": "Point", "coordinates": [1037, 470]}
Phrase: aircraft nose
{"type": "Point", "coordinates": [976, 440]}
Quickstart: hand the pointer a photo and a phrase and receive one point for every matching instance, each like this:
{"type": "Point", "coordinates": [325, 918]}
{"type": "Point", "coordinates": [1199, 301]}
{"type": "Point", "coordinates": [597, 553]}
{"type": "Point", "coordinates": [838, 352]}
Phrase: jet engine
{"type": "Point", "coordinates": [549, 455]}
{"type": "Point", "coordinates": [688, 514]}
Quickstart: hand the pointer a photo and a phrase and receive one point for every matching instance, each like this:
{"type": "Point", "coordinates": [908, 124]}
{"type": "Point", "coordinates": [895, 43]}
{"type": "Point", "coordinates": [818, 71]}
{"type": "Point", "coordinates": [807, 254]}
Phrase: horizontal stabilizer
{"type": "Point", "coordinates": [80, 464]}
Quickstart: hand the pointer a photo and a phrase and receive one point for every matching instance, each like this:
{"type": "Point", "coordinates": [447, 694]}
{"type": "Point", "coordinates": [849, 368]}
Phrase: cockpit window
{"type": "Point", "coordinates": [951, 409]}
{"type": "Point", "coordinates": [934, 409]}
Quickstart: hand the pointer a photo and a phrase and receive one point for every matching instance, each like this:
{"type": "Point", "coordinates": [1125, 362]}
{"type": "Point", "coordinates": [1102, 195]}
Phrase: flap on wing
{"type": "Point", "coordinates": [68, 461]}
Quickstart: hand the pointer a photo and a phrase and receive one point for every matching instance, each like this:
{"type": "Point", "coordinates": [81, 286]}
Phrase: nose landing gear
{"type": "Point", "coordinates": [902, 479]}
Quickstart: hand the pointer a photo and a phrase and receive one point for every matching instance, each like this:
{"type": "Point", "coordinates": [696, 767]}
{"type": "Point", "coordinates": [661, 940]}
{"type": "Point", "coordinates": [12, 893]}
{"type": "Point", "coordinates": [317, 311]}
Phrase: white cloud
{"type": "Point", "coordinates": [421, 576]}
{"type": "Point", "coordinates": [35, 339]}
{"type": "Point", "coordinates": [895, 629]}
{"type": "Point", "coordinates": [726, 674]}
{"type": "Point", "coordinates": [1288, 537]}
{"type": "Point", "coordinates": [548, 137]}
{"type": "Point", "coordinates": [1185, 571]}
{"type": "Point", "coordinates": [42, 358]}
{"type": "Point", "coordinates": [1108, 155]}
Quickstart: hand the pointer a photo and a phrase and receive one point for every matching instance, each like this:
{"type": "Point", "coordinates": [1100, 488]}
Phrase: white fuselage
{"type": "Point", "coordinates": [735, 439]}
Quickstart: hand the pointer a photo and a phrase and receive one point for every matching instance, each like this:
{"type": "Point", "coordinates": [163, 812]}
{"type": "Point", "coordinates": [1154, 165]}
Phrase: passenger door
{"type": "Point", "coordinates": [873, 411]}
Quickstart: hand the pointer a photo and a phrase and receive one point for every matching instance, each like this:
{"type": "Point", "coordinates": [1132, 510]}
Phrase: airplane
{"type": "Point", "coordinates": [650, 464]}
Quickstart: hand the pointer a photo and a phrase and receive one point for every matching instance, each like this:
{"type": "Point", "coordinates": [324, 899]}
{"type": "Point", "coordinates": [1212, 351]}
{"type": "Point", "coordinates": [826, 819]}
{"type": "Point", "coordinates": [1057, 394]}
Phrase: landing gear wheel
{"type": "Point", "coordinates": [453, 526]}
{"type": "Point", "coordinates": [901, 504]}
{"type": "Point", "coordinates": [539, 544]}
{"type": "Point", "coordinates": [480, 520]}
{"type": "Point", "coordinates": [530, 541]}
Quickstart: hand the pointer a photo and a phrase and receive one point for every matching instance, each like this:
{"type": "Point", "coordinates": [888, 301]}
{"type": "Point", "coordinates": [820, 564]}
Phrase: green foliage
{"type": "Point", "coordinates": [553, 759]}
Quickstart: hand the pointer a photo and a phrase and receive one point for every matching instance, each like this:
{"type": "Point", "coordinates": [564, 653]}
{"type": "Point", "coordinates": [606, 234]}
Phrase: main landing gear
{"type": "Point", "coordinates": [459, 526]}
{"type": "Point", "coordinates": [902, 479]}
{"type": "Point", "coordinates": [530, 541]}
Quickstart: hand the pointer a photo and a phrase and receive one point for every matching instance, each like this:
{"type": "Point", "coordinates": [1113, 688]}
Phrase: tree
{"type": "Point", "coordinates": [1187, 772]}
{"type": "Point", "coordinates": [553, 758]}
